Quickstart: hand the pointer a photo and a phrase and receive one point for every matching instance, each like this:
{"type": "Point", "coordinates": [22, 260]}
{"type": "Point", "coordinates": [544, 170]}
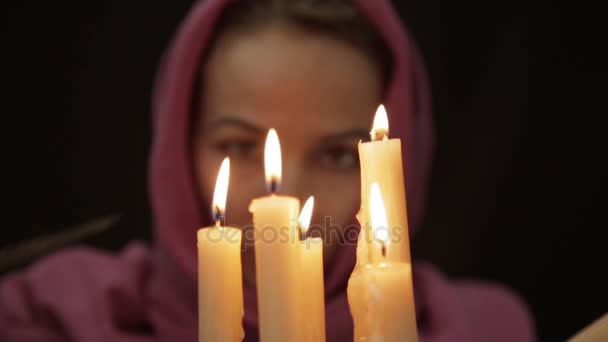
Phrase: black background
{"type": "Point", "coordinates": [515, 195]}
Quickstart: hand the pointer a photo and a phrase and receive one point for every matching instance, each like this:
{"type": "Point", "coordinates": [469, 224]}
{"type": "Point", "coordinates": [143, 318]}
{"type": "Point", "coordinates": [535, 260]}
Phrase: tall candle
{"type": "Point", "coordinates": [220, 289]}
{"type": "Point", "coordinates": [380, 294]}
{"type": "Point", "coordinates": [313, 290]}
{"type": "Point", "coordinates": [381, 162]}
{"type": "Point", "coordinates": [382, 268]}
{"type": "Point", "coordinates": [277, 255]}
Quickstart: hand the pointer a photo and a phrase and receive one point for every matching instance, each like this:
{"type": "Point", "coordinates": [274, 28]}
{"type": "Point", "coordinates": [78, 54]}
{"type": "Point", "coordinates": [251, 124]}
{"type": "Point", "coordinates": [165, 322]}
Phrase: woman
{"type": "Point", "coordinates": [315, 71]}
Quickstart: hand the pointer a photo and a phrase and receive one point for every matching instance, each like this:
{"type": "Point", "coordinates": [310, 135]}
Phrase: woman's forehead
{"type": "Point", "coordinates": [279, 75]}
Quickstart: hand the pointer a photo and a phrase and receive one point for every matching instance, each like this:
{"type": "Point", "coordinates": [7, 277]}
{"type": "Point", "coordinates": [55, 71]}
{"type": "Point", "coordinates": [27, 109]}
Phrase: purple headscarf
{"type": "Point", "coordinates": [149, 294]}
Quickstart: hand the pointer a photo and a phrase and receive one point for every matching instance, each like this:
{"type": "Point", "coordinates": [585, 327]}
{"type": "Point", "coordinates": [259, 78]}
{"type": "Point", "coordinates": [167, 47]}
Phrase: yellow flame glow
{"type": "Point", "coordinates": [379, 222]}
{"type": "Point", "coordinates": [272, 157]}
{"type": "Point", "coordinates": [221, 188]}
{"type": "Point", "coordinates": [306, 214]}
{"type": "Point", "coordinates": [380, 126]}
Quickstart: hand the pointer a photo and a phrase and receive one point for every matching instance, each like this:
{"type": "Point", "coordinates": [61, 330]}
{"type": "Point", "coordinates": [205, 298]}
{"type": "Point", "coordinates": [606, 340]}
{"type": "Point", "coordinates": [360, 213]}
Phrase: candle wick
{"type": "Point", "coordinates": [273, 185]}
{"type": "Point", "coordinates": [383, 245]}
{"type": "Point", "coordinates": [218, 217]}
{"type": "Point", "coordinates": [369, 235]}
{"type": "Point", "coordinates": [379, 134]}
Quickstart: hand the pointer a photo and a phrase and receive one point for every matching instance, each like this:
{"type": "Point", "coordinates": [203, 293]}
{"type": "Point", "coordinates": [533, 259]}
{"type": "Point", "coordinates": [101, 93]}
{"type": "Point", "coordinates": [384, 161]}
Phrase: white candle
{"type": "Point", "coordinates": [220, 289]}
{"type": "Point", "coordinates": [381, 163]}
{"type": "Point", "coordinates": [313, 289]}
{"type": "Point", "coordinates": [380, 289]}
{"type": "Point", "coordinates": [380, 294]}
{"type": "Point", "coordinates": [277, 255]}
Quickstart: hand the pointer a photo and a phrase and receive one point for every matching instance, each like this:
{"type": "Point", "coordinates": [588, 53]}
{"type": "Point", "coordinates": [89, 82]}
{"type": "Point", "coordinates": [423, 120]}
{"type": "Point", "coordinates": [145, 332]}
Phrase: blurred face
{"type": "Point", "coordinates": [320, 95]}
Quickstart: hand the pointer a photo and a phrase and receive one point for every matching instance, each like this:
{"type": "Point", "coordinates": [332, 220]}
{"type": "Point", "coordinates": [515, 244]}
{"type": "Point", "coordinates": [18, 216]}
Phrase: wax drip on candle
{"type": "Point", "coordinates": [380, 125]}
{"type": "Point", "coordinates": [272, 161]}
{"type": "Point", "coordinates": [220, 193]}
{"type": "Point", "coordinates": [305, 217]}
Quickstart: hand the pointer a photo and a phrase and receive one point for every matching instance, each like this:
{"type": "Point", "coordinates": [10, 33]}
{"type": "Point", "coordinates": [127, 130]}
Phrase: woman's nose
{"type": "Point", "coordinates": [292, 182]}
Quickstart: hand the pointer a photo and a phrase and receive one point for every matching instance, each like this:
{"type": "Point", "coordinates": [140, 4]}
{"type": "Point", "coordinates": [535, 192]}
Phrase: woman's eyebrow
{"type": "Point", "coordinates": [350, 134]}
{"type": "Point", "coordinates": [231, 121]}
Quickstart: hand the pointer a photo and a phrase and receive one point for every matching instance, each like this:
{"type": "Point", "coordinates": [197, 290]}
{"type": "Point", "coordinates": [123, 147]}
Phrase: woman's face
{"type": "Point", "coordinates": [319, 94]}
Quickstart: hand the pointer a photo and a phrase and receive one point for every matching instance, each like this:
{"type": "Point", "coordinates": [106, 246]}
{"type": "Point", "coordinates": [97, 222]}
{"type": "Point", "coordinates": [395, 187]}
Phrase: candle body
{"type": "Point", "coordinates": [313, 290]}
{"type": "Point", "coordinates": [381, 299]}
{"type": "Point", "coordinates": [220, 286]}
{"type": "Point", "coordinates": [380, 289]}
{"type": "Point", "coordinates": [277, 260]}
{"type": "Point", "coordinates": [381, 162]}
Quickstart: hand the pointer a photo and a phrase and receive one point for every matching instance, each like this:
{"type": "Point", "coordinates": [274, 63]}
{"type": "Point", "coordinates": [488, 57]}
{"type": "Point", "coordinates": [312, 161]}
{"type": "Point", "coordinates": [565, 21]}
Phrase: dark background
{"type": "Point", "coordinates": [515, 195]}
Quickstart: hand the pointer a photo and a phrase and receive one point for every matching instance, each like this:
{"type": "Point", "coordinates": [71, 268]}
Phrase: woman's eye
{"type": "Point", "coordinates": [341, 158]}
{"type": "Point", "coordinates": [238, 149]}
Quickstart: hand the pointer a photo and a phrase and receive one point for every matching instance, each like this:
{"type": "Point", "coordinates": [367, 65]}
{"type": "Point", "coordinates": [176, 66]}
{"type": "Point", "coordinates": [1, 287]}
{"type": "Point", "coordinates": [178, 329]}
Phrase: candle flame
{"type": "Point", "coordinates": [221, 191]}
{"type": "Point", "coordinates": [379, 221]}
{"type": "Point", "coordinates": [272, 160]}
{"type": "Point", "coordinates": [306, 214]}
{"type": "Point", "coordinates": [380, 126]}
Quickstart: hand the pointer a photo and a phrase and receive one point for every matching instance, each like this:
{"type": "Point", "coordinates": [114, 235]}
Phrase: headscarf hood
{"type": "Point", "coordinates": [173, 187]}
